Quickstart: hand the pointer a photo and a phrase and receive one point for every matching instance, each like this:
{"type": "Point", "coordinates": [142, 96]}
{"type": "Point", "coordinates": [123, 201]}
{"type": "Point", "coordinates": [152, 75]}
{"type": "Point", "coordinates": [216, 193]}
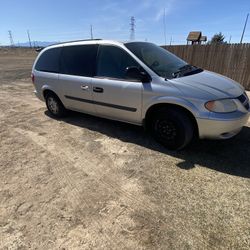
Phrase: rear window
{"type": "Point", "coordinates": [79, 60]}
{"type": "Point", "coordinates": [49, 61]}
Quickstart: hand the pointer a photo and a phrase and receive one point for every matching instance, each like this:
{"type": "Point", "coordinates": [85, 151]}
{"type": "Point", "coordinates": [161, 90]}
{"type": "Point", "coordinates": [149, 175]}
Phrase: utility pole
{"type": "Point", "coordinates": [28, 33]}
{"type": "Point", "coordinates": [171, 41]}
{"type": "Point", "coordinates": [11, 39]}
{"type": "Point", "coordinates": [91, 31]}
{"type": "Point", "coordinates": [132, 28]}
{"type": "Point", "coordinates": [164, 25]}
{"type": "Point", "coordinates": [230, 39]}
{"type": "Point", "coordinates": [243, 32]}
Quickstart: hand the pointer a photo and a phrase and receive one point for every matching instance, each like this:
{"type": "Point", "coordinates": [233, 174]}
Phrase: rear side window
{"type": "Point", "coordinates": [79, 60]}
{"type": "Point", "coordinates": [49, 61]}
{"type": "Point", "coordinates": [113, 61]}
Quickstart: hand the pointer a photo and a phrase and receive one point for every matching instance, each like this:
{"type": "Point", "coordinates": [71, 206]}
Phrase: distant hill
{"type": "Point", "coordinates": [35, 44]}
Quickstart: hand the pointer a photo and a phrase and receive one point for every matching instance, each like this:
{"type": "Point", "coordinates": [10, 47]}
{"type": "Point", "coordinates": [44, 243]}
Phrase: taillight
{"type": "Point", "coordinates": [33, 78]}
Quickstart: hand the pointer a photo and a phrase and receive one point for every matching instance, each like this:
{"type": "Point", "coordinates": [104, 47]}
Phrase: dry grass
{"type": "Point", "coordinates": [84, 182]}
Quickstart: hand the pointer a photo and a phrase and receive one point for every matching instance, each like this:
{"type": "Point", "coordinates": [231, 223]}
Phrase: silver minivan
{"type": "Point", "coordinates": [143, 84]}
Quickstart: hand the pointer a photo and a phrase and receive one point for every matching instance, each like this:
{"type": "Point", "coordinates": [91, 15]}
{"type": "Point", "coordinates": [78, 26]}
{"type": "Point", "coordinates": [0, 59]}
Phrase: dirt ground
{"type": "Point", "coordinates": [90, 183]}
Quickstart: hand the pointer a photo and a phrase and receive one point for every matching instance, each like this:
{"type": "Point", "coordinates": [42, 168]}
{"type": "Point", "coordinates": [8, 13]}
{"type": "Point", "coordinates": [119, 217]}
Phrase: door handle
{"type": "Point", "coordinates": [84, 87]}
{"type": "Point", "coordinates": [98, 90]}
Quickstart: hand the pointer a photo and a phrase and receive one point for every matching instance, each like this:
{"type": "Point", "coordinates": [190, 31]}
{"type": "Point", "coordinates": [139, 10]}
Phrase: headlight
{"type": "Point", "coordinates": [221, 106]}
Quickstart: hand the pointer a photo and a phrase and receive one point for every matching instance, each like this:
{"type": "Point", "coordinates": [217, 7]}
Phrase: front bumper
{"type": "Point", "coordinates": [223, 128]}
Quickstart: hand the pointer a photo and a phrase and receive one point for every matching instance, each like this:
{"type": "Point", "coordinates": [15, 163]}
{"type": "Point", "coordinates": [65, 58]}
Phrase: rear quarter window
{"type": "Point", "coordinates": [49, 61]}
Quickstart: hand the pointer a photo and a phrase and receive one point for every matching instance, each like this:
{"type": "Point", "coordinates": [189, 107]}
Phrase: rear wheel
{"type": "Point", "coordinates": [54, 105]}
{"type": "Point", "coordinates": [172, 127]}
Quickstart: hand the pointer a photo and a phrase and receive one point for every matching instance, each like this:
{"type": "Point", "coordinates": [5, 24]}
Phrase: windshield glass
{"type": "Point", "coordinates": [161, 61]}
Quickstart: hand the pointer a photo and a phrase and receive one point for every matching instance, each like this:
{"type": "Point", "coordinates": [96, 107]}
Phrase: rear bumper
{"type": "Point", "coordinates": [40, 97]}
{"type": "Point", "coordinates": [222, 128]}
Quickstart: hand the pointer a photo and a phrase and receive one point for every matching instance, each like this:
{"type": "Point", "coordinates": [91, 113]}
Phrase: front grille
{"type": "Point", "coordinates": [247, 106]}
{"type": "Point", "coordinates": [244, 100]}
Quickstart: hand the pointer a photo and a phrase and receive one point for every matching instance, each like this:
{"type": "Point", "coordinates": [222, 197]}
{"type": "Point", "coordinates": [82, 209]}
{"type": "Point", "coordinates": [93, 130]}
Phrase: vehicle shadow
{"type": "Point", "coordinates": [228, 156]}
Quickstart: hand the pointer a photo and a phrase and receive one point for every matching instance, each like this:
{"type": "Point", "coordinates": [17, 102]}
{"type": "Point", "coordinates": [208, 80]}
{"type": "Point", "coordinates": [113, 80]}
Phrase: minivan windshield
{"type": "Point", "coordinates": [161, 61]}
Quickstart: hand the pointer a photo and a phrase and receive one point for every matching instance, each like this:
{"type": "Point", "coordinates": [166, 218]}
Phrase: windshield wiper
{"type": "Point", "coordinates": [185, 70]}
{"type": "Point", "coordinates": [185, 67]}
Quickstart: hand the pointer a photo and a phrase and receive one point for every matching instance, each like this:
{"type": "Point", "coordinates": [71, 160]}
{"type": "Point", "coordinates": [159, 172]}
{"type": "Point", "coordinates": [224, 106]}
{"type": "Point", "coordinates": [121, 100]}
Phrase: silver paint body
{"type": "Point", "coordinates": [190, 92]}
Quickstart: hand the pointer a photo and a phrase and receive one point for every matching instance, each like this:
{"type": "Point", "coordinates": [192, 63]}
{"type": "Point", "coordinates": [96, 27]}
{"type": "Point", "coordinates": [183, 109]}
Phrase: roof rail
{"type": "Point", "coordinates": [39, 49]}
{"type": "Point", "coordinates": [81, 40]}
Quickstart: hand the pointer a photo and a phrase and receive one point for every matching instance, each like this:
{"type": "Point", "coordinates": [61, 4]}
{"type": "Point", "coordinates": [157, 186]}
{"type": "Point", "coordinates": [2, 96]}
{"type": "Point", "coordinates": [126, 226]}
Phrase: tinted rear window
{"type": "Point", "coordinates": [49, 61]}
{"type": "Point", "coordinates": [79, 60]}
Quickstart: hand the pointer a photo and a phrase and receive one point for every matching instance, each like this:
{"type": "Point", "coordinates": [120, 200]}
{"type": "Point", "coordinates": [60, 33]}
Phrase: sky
{"type": "Point", "coordinates": [61, 20]}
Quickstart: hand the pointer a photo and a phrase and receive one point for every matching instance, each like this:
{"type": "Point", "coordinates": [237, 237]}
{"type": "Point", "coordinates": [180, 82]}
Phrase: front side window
{"type": "Point", "coordinates": [113, 61]}
{"type": "Point", "coordinates": [79, 60]}
{"type": "Point", "coordinates": [49, 61]}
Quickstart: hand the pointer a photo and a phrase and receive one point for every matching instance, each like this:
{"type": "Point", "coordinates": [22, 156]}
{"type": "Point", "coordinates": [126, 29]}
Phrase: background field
{"type": "Point", "coordinates": [85, 182]}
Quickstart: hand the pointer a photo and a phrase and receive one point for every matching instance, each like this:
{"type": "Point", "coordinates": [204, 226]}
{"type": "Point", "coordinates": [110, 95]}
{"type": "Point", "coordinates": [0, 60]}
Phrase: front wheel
{"type": "Point", "coordinates": [173, 128]}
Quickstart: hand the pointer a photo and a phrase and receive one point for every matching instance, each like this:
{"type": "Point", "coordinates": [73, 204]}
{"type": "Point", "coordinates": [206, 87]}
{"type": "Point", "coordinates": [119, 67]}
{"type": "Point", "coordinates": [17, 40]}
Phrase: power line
{"type": "Point", "coordinates": [91, 31]}
{"type": "Point", "coordinates": [11, 38]}
{"type": "Point", "coordinates": [28, 33]}
{"type": "Point", "coordinates": [243, 32]}
{"type": "Point", "coordinates": [164, 25]}
{"type": "Point", "coordinates": [132, 28]}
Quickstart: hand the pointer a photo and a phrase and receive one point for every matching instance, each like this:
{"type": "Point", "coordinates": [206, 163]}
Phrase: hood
{"type": "Point", "coordinates": [209, 83]}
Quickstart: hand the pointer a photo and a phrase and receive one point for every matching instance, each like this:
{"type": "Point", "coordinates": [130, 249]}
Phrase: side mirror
{"type": "Point", "coordinates": [134, 73]}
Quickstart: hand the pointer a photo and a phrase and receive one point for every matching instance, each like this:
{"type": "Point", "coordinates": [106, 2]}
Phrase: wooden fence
{"type": "Point", "coordinates": [232, 60]}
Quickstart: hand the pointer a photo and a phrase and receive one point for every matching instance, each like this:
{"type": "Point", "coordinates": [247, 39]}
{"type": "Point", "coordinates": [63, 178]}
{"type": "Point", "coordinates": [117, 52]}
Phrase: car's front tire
{"type": "Point", "coordinates": [55, 106]}
{"type": "Point", "coordinates": [172, 127]}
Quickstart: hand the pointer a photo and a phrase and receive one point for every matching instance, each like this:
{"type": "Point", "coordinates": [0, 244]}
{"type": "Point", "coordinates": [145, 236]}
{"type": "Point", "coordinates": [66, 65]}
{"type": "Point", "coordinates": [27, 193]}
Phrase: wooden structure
{"type": "Point", "coordinates": [203, 39]}
{"type": "Point", "coordinates": [195, 37]}
{"type": "Point", "coordinates": [232, 60]}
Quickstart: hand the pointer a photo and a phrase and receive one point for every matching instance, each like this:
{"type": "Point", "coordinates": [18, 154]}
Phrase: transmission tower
{"type": "Point", "coordinates": [28, 33]}
{"type": "Point", "coordinates": [132, 28]}
{"type": "Point", "coordinates": [91, 31]}
{"type": "Point", "coordinates": [11, 38]}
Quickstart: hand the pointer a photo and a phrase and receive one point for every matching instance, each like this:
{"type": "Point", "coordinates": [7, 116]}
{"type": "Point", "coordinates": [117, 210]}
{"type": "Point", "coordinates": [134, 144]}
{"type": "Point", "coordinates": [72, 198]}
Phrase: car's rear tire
{"type": "Point", "coordinates": [55, 106]}
{"type": "Point", "coordinates": [172, 127]}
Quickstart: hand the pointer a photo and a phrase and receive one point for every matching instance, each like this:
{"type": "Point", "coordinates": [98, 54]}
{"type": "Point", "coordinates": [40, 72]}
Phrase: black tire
{"type": "Point", "coordinates": [172, 127]}
{"type": "Point", "coordinates": [55, 106]}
